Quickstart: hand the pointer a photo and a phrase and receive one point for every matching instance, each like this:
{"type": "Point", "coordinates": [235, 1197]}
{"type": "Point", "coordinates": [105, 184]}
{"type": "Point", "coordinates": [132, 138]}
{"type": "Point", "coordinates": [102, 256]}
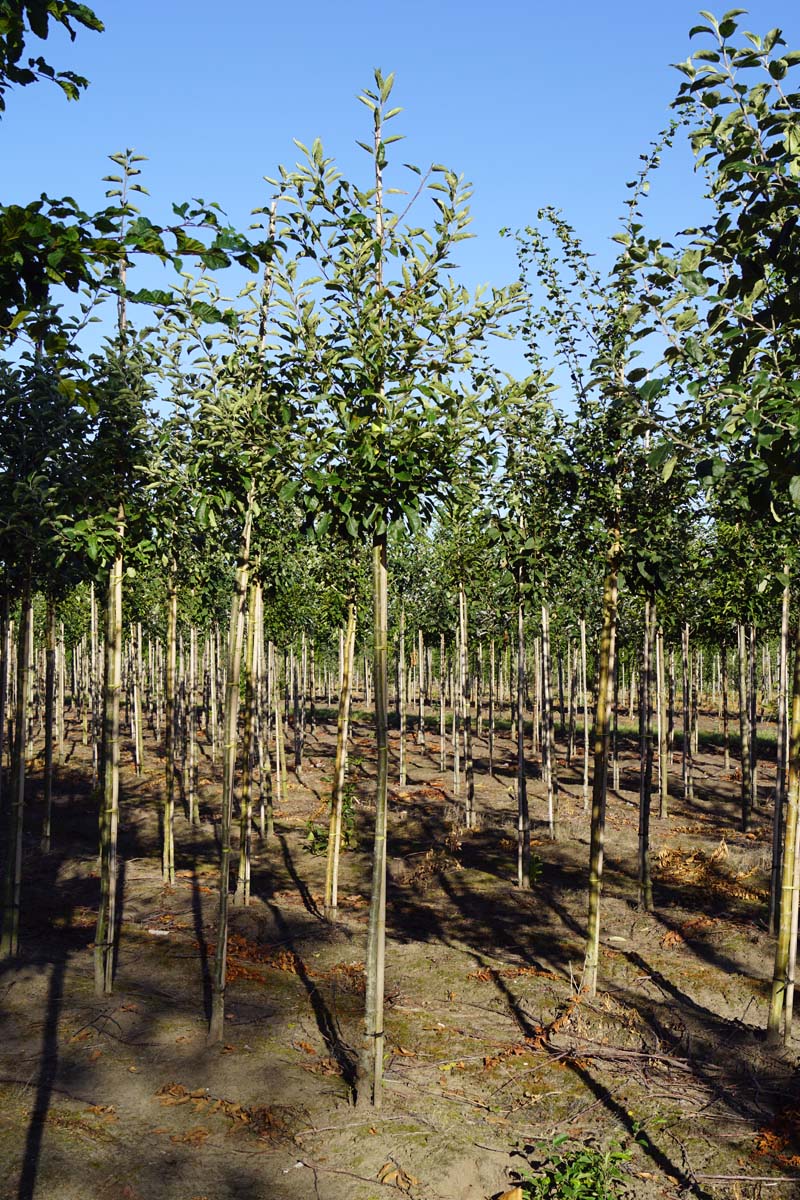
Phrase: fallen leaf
{"type": "Point", "coordinates": [395, 1176]}
{"type": "Point", "coordinates": [514, 1193]}
{"type": "Point", "coordinates": [193, 1137]}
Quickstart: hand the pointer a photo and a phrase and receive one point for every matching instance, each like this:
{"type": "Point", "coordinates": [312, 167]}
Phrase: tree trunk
{"type": "Point", "coordinates": [109, 812]}
{"type": "Point", "coordinates": [744, 729]}
{"type": "Point", "coordinates": [585, 693]}
{"type": "Point", "coordinates": [401, 696]}
{"type": "Point", "coordinates": [191, 728]}
{"type": "Point", "coordinates": [423, 684]}
{"type": "Point", "coordinates": [780, 768]}
{"type": "Point", "coordinates": [12, 880]}
{"type": "Point", "coordinates": [688, 774]}
{"type": "Point", "coordinates": [466, 701]}
{"type": "Point", "coordinates": [646, 760]}
{"type": "Point", "coordinates": [442, 714]}
{"type": "Point", "coordinates": [726, 739]}
{"type": "Point", "coordinates": [663, 750]}
{"type": "Point", "coordinates": [548, 730]}
{"type": "Point", "coordinates": [137, 698]}
{"type": "Point", "coordinates": [242, 894]}
{"type": "Point", "coordinates": [168, 843]}
{"type": "Point", "coordinates": [49, 704]}
{"type": "Point", "coordinates": [752, 714]}
{"type": "Point", "coordinates": [523, 813]}
{"type": "Point", "coordinates": [5, 655]}
{"type": "Point", "coordinates": [491, 706]}
{"type": "Point", "coordinates": [791, 860]}
{"type": "Point", "coordinates": [340, 765]}
{"type": "Point", "coordinates": [235, 638]}
{"type": "Point", "coordinates": [370, 1068]}
{"type": "Point", "coordinates": [599, 781]}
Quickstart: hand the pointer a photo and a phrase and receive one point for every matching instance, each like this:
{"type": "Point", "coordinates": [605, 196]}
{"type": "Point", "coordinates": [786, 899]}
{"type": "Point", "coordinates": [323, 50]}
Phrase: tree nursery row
{"type": "Point", "coordinates": [302, 581]}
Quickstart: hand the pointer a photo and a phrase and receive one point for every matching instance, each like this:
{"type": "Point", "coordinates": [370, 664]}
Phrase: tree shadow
{"type": "Point", "coordinates": [326, 1024]}
{"type": "Point", "coordinates": [197, 920]}
{"type": "Point", "coordinates": [53, 901]}
{"type": "Point", "coordinates": [48, 1070]}
{"type": "Point", "coordinates": [601, 1093]}
{"type": "Point", "coordinates": [303, 889]}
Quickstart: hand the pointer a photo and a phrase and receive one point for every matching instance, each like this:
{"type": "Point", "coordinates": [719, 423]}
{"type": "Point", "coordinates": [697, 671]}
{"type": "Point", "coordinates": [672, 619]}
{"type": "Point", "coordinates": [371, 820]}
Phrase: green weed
{"type": "Point", "coordinates": [585, 1173]}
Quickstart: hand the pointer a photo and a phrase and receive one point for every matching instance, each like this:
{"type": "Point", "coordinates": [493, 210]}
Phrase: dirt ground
{"type": "Point", "coordinates": [492, 1048]}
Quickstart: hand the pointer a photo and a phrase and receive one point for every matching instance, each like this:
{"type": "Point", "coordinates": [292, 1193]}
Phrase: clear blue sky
{"type": "Point", "coordinates": [536, 103]}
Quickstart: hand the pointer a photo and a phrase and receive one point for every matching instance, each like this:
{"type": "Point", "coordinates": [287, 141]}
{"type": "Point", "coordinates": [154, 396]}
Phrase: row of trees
{"type": "Point", "coordinates": [348, 389]}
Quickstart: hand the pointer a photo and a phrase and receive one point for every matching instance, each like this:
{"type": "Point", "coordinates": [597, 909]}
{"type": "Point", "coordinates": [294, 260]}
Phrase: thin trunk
{"type": "Point", "coordinates": [615, 720]}
{"type": "Point", "coordinates": [340, 765]}
{"type": "Point", "coordinates": [752, 714]}
{"type": "Point", "coordinates": [137, 698]}
{"type": "Point", "coordinates": [491, 706]}
{"type": "Point", "coordinates": [744, 729]}
{"type": "Point", "coordinates": [548, 740]}
{"type": "Point", "coordinates": [791, 860]}
{"type": "Point", "coordinates": [780, 769]}
{"type": "Point", "coordinates": [585, 691]}
{"type": "Point", "coordinates": [688, 777]}
{"type": "Point", "coordinates": [168, 816]}
{"type": "Point", "coordinates": [455, 728]}
{"type": "Point", "coordinates": [370, 1072]}
{"type": "Point", "coordinates": [572, 695]}
{"type": "Point", "coordinates": [94, 683]}
{"type": "Point", "coordinates": [442, 718]}
{"type": "Point", "coordinates": [646, 760]}
{"type": "Point", "coordinates": [235, 638]}
{"type": "Point", "coordinates": [12, 881]}
{"type": "Point", "coordinates": [523, 813]}
{"type": "Point", "coordinates": [242, 894]}
{"type": "Point", "coordinates": [401, 696]}
{"type": "Point", "coordinates": [726, 737]}
{"type": "Point", "coordinates": [212, 693]}
{"type": "Point", "coordinates": [5, 655]}
{"type": "Point", "coordinates": [109, 817]}
{"type": "Point", "coordinates": [423, 683]}
{"type": "Point", "coordinates": [191, 729]}
{"type": "Point", "coordinates": [663, 752]}
{"type": "Point", "coordinates": [266, 816]}
{"type": "Point", "coordinates": [599, 782]}
{"type": "Point", "coordinates": [469, 774]}
{"type": "Point", "coordinates": [294, 673]}
{"type": "Point", "coordinates": [49, 704]}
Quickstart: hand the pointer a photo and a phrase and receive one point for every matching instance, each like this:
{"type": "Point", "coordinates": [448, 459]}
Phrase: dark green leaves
{"type": "Point", "coordinates": [17, 19]}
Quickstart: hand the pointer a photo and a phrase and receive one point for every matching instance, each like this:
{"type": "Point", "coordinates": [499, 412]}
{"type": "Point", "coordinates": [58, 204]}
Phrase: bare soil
{"type": "Point", "coordinates": [493, 1049]}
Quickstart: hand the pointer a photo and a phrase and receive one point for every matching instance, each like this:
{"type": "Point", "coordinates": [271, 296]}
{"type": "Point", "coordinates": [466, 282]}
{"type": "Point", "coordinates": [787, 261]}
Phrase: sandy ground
{"type": "Point", "coordinates": [492, 1049]}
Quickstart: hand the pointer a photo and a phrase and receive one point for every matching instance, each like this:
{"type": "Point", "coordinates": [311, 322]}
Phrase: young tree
{"type": "Point", "coordinates": [382, 327]}
{"type": "Point", "coordinates": [732, 313]}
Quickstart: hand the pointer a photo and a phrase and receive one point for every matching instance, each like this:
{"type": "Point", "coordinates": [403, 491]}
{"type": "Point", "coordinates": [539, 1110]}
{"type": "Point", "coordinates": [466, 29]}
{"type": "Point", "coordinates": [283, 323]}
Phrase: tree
{"type": "Point", "coordinates": [731, 309]}
{"type": "Point", "coordinates": [601, 321]}
{"type": "Point", "coordinates": [382, 327]}
{"type": "Point", "coordinates": [20, 18]}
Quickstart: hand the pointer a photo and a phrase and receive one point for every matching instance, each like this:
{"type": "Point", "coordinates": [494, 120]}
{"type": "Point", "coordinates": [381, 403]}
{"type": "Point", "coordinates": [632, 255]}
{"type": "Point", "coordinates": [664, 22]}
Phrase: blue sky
{"type": "Point", "coordinates": [536, 103]}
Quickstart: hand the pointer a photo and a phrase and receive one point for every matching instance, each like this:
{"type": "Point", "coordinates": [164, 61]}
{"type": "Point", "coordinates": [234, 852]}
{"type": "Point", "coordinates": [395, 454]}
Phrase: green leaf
{"type": "Point", "coordinates": [668, 468]}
